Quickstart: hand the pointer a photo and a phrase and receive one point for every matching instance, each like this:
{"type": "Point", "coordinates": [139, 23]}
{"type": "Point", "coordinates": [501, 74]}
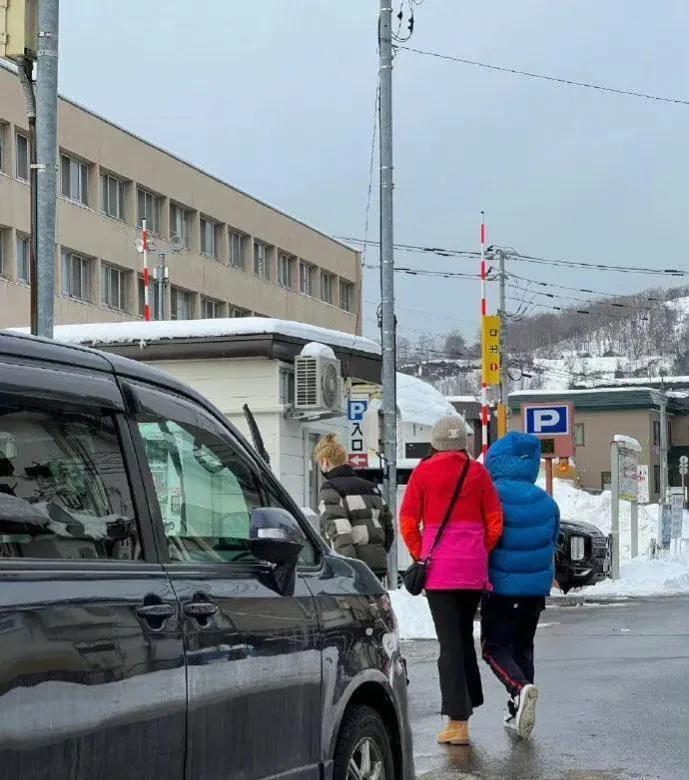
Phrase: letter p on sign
{"type": "Point", "coordinates": [545, 420]}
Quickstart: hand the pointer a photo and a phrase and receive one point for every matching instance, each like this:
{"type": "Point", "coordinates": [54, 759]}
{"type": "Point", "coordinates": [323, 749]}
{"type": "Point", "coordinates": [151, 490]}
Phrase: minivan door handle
{"type": "Point", "coordinates": [201, 611]}
{"type": "Point", "coordinates": [156, 614]}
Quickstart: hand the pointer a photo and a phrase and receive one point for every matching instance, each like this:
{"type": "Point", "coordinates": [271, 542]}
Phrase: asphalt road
{"type": "Point", "coordinates": [614, 703]}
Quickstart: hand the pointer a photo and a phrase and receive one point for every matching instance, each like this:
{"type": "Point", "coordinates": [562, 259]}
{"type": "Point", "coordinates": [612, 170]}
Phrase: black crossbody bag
{"type": "Point", "coordinates": [414, 577]}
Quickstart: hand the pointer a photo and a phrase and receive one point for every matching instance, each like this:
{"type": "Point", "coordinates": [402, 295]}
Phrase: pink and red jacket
{"type": "Point", "coordinates": [460, 560]}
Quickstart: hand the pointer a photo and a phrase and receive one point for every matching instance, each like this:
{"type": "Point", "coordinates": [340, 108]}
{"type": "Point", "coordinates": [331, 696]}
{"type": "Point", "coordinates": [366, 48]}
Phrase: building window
{"type": "Point", "coordinates": [2, 146]}
{"type": "Point", "coordinates": [669, 434]}
{"type": "Point", "coordinates": [74, 175]}
{"type": "Point", "coordinates": [76, 275]}
{"type": "Point", "coordinates": [327, 286]}
{"type": "Point", "coordinates": [656, 479]}
{"type": "Point", "coordinates": [579, 435]}
{"type": "Point", "coordinates": [346, 295]}
{"type": "Point", "coordinates": [287, 386]}
{"type": "Point", "coordinates": [236, 249]}
{"type": "Point", "coordinates": [656, 433]}
{"type": "Point", "coordinates": [112, 196]}
{"type": "Point", "coordinates": [181, 304]}
{"type": "Point", "coordinates": [23, 157]}
{"type": "Point", "coordinates": [237, 311]}
{"type": "Point", "coordinates": [305, 278]}
{"type": "Point", "coordinates": [23, 259]}
{"type": "Point", "coordinates": [286, 271]}
{"type": "Point", "coordinates": [605, 480]}
{"type": "Point", "coordinates": [148, 208]}
{"type": "Point", "coordinates": [112, 287]}
{"type": "Point", "coordinates": [180, 219]}
{"type": "Point", "coordinates": [211, 309]}
{"type": "Point", "coordinates": [261, 262]}
{"type": "Point", "coordinates": [209, 237]}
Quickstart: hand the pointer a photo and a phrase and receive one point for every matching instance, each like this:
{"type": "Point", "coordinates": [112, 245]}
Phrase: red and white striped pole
{"type": "Point", "coordinates": [147, 279]}
{"type": "Point", "coordinates": [484, 311]}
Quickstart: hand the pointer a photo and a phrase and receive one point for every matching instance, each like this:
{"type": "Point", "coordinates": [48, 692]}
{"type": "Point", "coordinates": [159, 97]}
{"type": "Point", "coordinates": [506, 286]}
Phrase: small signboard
{"type": "Point", "coordinates": [490, 344]}
{"type": "Point", "coordinates": [665, 530]}
{"type": "Point", "coordinates": [677, 512]}
{"type": "Point", "coordinates": [644, 494]}
{"type": "Point", "coordinates": [628, 465]}
{"type": "Point", "coordinates": [356, 409]}
{"type": "Point", "coordinates": [553, 424]}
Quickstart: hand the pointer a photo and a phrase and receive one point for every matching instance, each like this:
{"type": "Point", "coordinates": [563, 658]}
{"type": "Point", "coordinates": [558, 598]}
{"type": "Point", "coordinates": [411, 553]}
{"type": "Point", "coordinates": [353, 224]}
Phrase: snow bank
{"type": "Point", "coordinates": [421, 403]}
{"type": "Point", "coordinates": [643, 576]}
{"type": "Point", "coordinates": [92, 334]}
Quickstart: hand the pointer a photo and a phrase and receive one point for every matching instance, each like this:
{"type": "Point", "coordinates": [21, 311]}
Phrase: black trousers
{"type": "Point", "coordinates": [453, 614]}
{"type": "Point", "coordinates": [508, 626]}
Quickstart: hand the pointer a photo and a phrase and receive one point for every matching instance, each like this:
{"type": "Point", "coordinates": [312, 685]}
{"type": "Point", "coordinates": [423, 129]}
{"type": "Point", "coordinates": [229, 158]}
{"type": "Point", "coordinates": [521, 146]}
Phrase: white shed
{"type": "Point", "coordinates": [239, 361]}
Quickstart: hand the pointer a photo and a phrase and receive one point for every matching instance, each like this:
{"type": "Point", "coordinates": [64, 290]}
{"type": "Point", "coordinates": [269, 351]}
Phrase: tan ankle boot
{"type": "Point", "coordinates": [455, 733]}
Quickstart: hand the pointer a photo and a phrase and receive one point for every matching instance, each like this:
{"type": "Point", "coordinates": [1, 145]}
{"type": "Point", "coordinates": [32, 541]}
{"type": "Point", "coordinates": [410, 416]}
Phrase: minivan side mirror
{"type": "Point", "coordinates": [276, 537]}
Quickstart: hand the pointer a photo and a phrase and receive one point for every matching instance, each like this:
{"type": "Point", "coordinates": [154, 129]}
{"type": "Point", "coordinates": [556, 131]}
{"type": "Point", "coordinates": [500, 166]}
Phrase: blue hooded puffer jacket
{"type": "Point", "coordinates": [522, 563]}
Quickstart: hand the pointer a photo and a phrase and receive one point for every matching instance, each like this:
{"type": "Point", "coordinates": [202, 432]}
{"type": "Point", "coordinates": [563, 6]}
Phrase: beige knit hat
{"type": "Point", "coordinates": [449, 434]}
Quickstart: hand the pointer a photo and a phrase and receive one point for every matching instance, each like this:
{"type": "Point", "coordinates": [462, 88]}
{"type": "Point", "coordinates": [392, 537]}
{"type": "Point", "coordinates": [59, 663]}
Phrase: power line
{"type": "Point", "coordinates": [592, 302]}
{"type": "Point", "coordinates": [521, 257]}
{"type": "Point", "coordinates": [544, 77]}
{"type": "Point", "coordinates": [571, 310]}
{"type": "Point", "coordinates": [627, 269]}
{"type": "Point", "coordinates": [577, 289]}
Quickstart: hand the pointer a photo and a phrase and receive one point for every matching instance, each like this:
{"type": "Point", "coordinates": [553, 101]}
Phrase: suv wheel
{"type": "Point", "coordinates": [363, 748]}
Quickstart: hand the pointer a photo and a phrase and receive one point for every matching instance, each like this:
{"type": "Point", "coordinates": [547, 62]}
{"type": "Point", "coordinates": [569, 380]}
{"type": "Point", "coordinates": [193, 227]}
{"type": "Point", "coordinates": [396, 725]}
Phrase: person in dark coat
{"type": "Point", "coordinates": [354, 519]}
{"type": "Point", "coordinates": [521, 573]}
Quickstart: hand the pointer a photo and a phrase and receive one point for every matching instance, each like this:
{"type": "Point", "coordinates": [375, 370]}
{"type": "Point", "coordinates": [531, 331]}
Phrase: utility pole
{"type": "Point", "coordinates": [161, 284]}
{"type": "Point", "coordinates": [663, 442]}
{"type": "Point", "coordinates": [502, 406]}
{"type": "Point", "coordinates": [387, 264]}
{"type": "Point", "coordinates": [46, 158]}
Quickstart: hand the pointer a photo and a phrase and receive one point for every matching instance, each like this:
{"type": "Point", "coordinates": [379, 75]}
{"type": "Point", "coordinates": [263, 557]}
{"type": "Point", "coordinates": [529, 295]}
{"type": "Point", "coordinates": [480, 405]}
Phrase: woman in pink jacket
{"type": "Point", "coordinates": [457, 573]}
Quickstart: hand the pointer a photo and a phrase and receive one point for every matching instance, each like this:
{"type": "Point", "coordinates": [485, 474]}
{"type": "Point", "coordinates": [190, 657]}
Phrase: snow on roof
{"type": "Point", "coordinates": [585, 391]}
{"type": "Point", "coordinates": [421, 403]}
{"type": "Point", "coordinates": [93, 334]}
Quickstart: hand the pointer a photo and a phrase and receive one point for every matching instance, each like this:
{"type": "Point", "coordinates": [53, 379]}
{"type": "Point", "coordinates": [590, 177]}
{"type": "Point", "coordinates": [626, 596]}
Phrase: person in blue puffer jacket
{"type": "Point", "coordinates": [522, 571]}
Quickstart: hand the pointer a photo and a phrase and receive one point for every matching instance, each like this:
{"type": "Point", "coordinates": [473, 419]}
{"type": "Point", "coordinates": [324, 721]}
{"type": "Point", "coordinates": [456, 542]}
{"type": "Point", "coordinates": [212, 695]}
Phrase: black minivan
{"type": "Point", "coordinates": [165, 610]}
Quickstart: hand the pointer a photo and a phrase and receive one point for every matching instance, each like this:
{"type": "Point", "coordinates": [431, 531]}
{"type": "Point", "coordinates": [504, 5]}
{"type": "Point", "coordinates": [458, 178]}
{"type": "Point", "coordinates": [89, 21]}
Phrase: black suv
{"type": "Point", "coordinates": [165, 609]}
{"type": "Point", "coordinates": [583, 555]}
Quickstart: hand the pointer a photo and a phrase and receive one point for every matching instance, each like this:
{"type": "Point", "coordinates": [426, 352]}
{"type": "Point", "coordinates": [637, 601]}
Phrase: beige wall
{"type": "Point", "coordinates": [86, 231]}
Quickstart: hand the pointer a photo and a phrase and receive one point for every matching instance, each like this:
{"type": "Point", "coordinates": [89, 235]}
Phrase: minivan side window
{"type": "Point", "coordinates": [64, 491]}
{"type": "Point", "coordinates": [205, 490]}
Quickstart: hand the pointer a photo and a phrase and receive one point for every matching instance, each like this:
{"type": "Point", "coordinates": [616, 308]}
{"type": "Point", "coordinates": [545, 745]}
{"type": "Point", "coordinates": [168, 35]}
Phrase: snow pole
{"type": "Point", "coordinates": [484, 311]}
{"type": "Point", "coordinates": [147, 280]}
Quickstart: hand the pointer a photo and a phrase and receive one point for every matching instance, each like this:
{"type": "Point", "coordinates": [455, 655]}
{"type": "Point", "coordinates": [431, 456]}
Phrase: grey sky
{"type": "Point", "coordinates": [277, 97]}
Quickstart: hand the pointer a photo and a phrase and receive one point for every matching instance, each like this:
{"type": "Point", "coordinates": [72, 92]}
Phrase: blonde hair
{"type": "Point", "coordinates": [330, 449]}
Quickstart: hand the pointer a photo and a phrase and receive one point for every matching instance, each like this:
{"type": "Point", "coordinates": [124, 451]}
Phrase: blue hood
{"type": "Point", "coordinates": [517, 456]}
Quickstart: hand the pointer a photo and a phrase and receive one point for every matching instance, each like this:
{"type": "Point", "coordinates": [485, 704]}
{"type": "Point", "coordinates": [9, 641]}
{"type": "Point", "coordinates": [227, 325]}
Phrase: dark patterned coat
{"type": "Point", "coordinates": [355, 520]}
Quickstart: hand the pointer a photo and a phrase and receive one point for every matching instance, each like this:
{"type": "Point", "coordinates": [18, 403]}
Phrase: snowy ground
{"type": "Point", "coordinates": [642, 576]}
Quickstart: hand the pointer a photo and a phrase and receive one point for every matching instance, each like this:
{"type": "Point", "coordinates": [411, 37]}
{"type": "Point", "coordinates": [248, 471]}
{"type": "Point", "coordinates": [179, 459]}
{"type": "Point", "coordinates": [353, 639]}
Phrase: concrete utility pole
{"type": "Point", "coordinates": [663, 442]}
{"type": "Point", "coordinates": [387, 270]}
{"type": "Point", "coordinates": [46, 156]}
{"type": "Point", "coordinates": [161, 284]}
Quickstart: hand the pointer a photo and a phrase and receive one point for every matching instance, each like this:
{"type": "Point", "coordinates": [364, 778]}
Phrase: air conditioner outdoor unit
{"type": "Point", "coordinates": [318, 385]}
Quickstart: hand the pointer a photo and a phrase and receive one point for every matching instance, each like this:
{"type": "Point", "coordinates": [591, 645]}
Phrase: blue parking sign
{"type": "Point", "coordinates": [547, 420]}
{"type": "Point", "coordinates": [356, 410]}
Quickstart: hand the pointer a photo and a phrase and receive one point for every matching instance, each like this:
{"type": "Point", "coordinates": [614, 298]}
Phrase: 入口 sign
{"type": "Point", "coordinates": [356, 410]}
{"type": "Point", "coordinates": [490, 343]}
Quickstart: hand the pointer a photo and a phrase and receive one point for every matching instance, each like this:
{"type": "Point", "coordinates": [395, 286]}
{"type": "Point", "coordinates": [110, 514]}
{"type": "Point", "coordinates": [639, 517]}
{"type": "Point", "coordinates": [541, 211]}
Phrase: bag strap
{"type": "Point", "coordinates": [450, 507]}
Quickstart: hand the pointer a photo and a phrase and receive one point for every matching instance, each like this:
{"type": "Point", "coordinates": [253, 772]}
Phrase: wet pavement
{"type": "Point", "coordinates": [614, 703]}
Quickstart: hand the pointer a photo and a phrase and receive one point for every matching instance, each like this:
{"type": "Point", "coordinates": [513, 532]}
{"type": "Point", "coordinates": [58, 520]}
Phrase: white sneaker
{"type": "Point", "coordinates": [526, 711]}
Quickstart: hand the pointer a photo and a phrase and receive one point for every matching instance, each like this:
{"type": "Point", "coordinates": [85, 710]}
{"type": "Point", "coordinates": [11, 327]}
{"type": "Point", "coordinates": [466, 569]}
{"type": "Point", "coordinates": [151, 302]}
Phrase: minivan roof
{"type": "Point", "coordinates": [47, 351]}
